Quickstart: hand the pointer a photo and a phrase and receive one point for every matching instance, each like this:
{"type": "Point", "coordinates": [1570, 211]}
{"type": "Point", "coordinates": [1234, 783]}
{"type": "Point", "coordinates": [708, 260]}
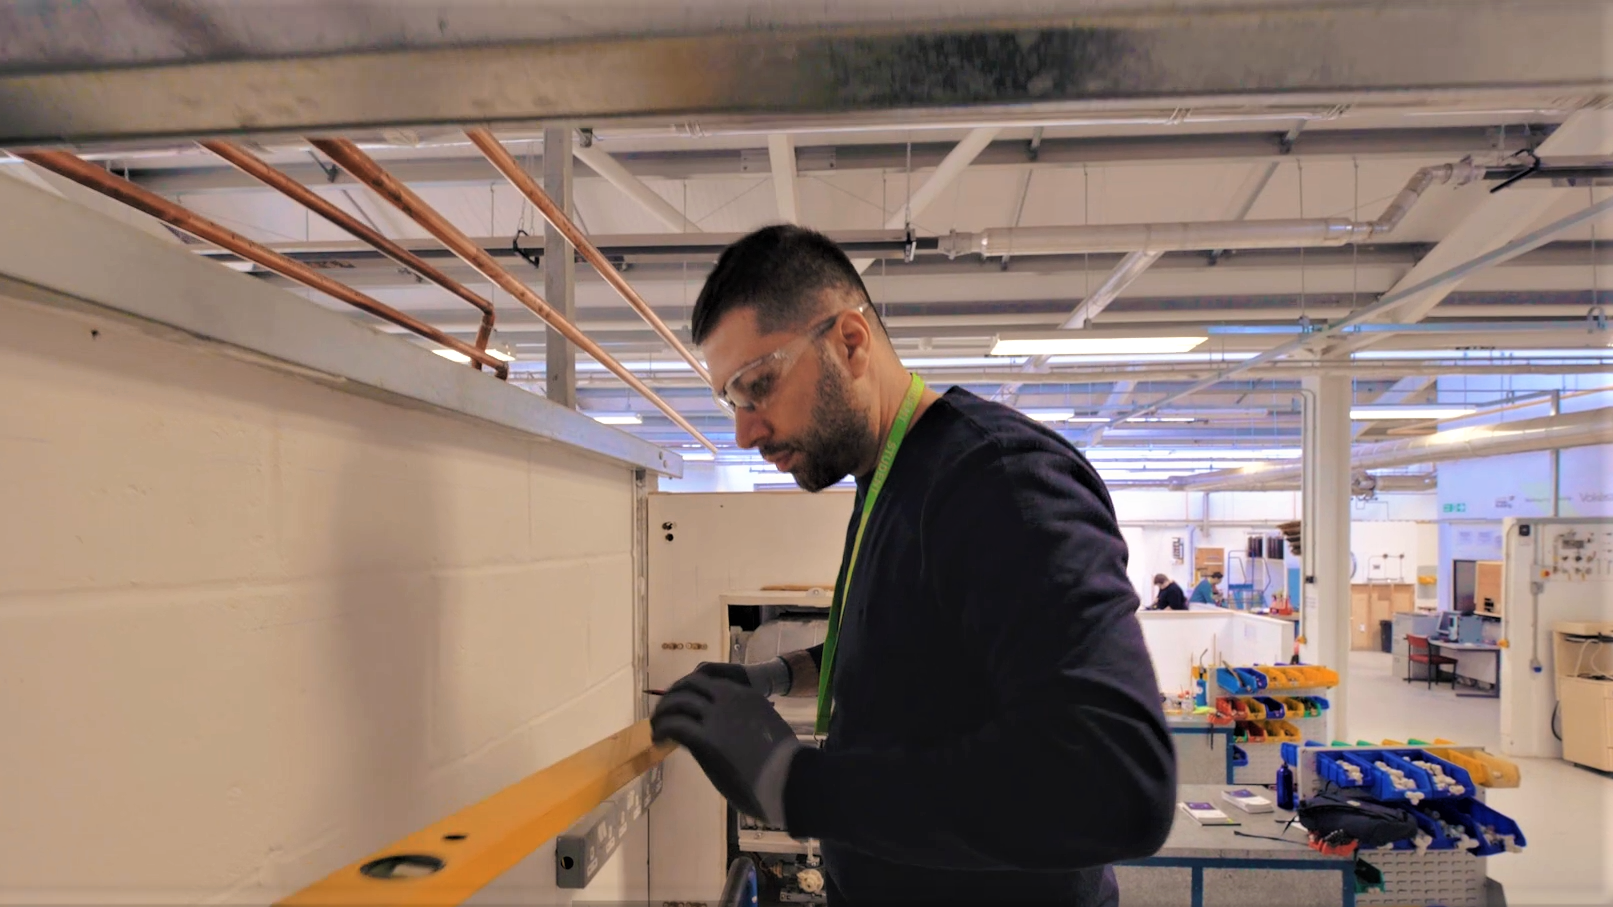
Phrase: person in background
{"type": "Point", "coordinates": [1170, 596]}
{"type": "Point", "coordinates": [994, 731]}
{"type": "Point", "coordinates": [1204, 592]}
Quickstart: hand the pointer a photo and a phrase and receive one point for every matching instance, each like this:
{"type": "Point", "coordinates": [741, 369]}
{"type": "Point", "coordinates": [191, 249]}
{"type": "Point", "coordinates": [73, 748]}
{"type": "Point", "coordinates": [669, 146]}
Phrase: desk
{"type": "Point", "coordinates": [1209, 864]}
{"type": "Point", "coordinates": [1459, 647]}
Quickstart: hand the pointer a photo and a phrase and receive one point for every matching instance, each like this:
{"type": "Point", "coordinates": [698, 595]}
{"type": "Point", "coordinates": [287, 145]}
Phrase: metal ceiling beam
{"type": "Point", "coordinates": [1124, 274]}
{"type": "Point", "coordinates": [781, 160]}
{"type": "Point", "coordinates": [1426, 143]}
{"type": "Point", "coordinates": [1118, 395]}
{"type": "Point", "coordinates": [1392, 301]}
{"type": "Point", "coordinates": [1498, 217]}
{"type": "Point", "coordinates": [295, 81]}
{"type": "Point", "coordinates": [614, 173]}
{"type": "Point", "coordinates": [945, 173]}
{"type": "Point", "coordinates": [1399, 392]}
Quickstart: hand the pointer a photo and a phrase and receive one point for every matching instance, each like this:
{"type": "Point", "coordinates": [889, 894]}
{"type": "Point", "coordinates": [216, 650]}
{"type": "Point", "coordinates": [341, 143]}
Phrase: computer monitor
{"type": "Point", "coordinates": [1447, 625]}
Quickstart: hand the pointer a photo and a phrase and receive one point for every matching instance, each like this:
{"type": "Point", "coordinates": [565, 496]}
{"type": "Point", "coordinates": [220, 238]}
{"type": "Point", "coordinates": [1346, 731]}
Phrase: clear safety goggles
{"type": "Point", "coordinates": [756, 380]}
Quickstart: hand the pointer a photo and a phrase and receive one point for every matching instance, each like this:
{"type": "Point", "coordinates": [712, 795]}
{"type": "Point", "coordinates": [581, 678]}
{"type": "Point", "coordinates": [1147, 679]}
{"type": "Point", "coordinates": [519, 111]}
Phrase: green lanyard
{"type": "Point", "coordinates": [887, 456]}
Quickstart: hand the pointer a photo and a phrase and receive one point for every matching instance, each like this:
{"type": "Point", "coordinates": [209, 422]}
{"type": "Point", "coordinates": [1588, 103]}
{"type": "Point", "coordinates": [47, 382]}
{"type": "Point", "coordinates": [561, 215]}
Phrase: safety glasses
{"type": "Point", "coordinates": [756, 380]}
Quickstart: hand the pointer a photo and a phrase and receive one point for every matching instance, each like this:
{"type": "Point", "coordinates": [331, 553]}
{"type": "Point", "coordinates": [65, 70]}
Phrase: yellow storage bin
{"type": "Point", "coordinates": [1281, 731]}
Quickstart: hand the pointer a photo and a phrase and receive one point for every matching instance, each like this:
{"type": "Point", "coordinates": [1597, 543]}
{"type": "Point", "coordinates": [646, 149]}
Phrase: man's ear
{"type": "Point", "coordinates": [857, 335]}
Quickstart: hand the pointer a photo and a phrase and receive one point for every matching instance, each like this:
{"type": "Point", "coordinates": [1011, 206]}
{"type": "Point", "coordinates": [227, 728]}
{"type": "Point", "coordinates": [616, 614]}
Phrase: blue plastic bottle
{"type": "Point", "coordinates": [1285, 787]}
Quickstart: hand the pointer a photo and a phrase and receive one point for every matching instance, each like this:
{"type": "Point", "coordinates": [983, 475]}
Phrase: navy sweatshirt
{"type": "Point", "coordinates": [997, 733]}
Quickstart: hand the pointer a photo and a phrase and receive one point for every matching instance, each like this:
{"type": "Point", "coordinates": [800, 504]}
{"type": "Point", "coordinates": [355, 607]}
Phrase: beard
{"type": "Point", "coordinates": [839, 439]}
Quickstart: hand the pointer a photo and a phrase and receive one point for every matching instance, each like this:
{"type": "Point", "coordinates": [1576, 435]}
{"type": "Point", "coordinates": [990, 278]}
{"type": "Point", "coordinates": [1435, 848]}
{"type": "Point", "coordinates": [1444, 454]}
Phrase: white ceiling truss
{"type": "Point", "coordinates": [1246, 216]}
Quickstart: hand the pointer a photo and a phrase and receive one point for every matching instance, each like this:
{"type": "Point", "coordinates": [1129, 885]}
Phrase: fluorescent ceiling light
{"type": "Point", "coordinates": [1162, 419]}
{"type": "Point", "coordinates": [702, 457]}
{"type": "Point", "coordinates": [453, 356]}
{"type": "Point", "coordinates": [1386, 411]}
{"type": "Point", "coordinates": [498, 354]}
{"type": "Point", "coordinates": [1085, 344]}
{"type": "Point", "coordinates": [616, 418]}
{"type": "Point", "coordinates": [1044, 414]}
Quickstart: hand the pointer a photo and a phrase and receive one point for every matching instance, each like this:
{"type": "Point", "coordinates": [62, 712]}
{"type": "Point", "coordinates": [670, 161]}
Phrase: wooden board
{"type": "Point", "coordinates": [1487, 594]}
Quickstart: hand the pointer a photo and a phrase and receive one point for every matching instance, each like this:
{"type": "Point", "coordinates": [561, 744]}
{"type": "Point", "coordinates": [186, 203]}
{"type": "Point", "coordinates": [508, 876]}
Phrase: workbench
{"type": "Point", "coordinates": [1203, 865]}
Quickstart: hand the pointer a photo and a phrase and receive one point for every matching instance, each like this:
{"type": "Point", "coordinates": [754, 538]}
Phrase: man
{"type": "Point", "coordinates": [1204, 592]}
{"type": "Point", "coordinates": [994, 728]}
{"type": "Point", "coordinates": [1169, 596]}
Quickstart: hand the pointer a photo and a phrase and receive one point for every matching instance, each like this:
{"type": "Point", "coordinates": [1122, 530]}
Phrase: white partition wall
{"type": "Point", "coordinates": [703, 546]}
{"type": "Point", "coordinates": [1179, 640]}
{"type": "Point", "coordinates": [1537, 597]}
{"type": "Point", "coordinates": [254, 626]}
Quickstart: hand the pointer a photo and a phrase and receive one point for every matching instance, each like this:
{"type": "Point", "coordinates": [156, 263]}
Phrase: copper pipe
{"type": "Point", "coordinates": [93, 177]}
{"type": "Point", "coordinates": [252, 166]}
{"type": "Point", "coordinates": [505, 163]}
{"type": "Point", "coordinates": [363, 168]}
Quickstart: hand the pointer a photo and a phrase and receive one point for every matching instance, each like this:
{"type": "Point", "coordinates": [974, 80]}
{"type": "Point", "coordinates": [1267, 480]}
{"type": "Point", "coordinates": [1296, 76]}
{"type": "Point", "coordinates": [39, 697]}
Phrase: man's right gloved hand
{"type": "Point", "coordinates": [770, 678]}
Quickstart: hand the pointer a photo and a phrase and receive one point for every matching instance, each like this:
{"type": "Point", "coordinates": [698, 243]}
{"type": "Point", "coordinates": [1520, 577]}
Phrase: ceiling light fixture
{"type": "Point", "coordinates": [1085, 343]}
{"type": "Point", "coordinates": [1059, 415]}
{"type": "Point", "coordinates": [1390, 411]}
{"type": "Point", "coordinates": [1162, 419]}
{"type": "Point", "coordinates": [616, 418]}
{"type": "Point", "coordinates": [453, 356]}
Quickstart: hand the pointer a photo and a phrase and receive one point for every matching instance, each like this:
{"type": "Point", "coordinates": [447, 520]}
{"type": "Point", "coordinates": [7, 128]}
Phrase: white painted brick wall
{"type": "Point", "coordinates": [253, 627]}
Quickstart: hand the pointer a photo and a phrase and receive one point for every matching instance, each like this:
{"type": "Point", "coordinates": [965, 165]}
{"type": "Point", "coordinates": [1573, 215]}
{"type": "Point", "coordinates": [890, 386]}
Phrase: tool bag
{"type": "Point", "coordinates": [1336, 820]}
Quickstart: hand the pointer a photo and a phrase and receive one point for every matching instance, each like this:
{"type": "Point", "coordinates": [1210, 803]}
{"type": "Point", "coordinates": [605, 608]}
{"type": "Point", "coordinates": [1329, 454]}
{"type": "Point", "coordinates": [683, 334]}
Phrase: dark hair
{"type": "Point", "coordinates": [1161, 579]}
{"type": "Point", "coordinates": [1216, 575]}
{"type": "Point", "coordinates": [781, 271]}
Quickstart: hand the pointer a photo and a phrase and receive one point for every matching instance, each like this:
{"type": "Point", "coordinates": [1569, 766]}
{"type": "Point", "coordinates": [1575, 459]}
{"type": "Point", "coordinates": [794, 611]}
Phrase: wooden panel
{"type": "Point", "coordinates": [1363, 630]}
{"type": "Point", "coordinates": [1487, 588]}
{"type": "Point", "coordinates": [1402, 598]}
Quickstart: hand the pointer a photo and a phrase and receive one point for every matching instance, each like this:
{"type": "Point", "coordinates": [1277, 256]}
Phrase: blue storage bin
{"type": "Point", "coordinates": [1240, 681]}
{"type": "Point", "coordinates": [1485, 823]}
{"type": "Point", "coordinates": [1428, 826]}
{"type": "Point", "coordinates": [1455, 772]}
{"type": "Point", "coordinates": [1274, 709]}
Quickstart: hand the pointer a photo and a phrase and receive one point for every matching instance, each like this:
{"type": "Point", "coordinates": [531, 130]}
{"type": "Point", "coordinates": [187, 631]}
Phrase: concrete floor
{"type": "Point", "coordinates": [1566, 812]}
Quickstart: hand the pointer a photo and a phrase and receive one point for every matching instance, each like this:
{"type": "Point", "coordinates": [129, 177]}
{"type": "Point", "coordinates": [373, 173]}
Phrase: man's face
{"type": "Point", "coordinates": [810, 422]}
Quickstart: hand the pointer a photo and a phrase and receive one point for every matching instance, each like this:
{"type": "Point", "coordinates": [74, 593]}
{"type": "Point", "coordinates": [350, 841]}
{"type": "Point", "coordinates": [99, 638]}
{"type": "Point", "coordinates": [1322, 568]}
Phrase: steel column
{"type": "Point", "coordinates": [1325, 451]}
{"type": "Point", "coordinates": [559, 271]}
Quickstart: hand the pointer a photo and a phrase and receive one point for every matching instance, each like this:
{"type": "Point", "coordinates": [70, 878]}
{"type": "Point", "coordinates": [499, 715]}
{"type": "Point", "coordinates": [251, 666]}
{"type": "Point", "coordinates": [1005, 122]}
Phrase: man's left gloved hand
{"type": "Point", "coordinates": [741, 743]}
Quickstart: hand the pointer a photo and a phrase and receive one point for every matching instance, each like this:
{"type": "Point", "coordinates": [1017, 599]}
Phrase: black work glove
{"type": "Point", "coordinates": [771, 677]}
{"type": "Point", "coordinates": [741, 743]}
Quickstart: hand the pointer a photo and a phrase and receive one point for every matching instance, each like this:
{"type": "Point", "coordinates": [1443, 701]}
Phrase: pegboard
{"type": "Point", "coordinates": [1265, 758]}
{"type": "Point", "coordinates": [1451, 878]}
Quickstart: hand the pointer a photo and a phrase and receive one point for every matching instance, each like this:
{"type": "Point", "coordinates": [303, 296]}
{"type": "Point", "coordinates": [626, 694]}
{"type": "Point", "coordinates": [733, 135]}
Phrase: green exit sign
{"type": "Point", "coordinates": [1456, 508]}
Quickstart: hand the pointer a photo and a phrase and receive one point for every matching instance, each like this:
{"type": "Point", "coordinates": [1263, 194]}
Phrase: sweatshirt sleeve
{"type": "Point", "coordinates": [1076, 767]}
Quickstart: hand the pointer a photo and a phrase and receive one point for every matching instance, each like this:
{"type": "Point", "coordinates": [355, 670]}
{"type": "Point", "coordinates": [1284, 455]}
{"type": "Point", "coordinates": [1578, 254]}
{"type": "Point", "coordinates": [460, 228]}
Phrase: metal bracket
{"type": "Point", "coordinates": [1596, 319]}
{"type": "Point", "coordinates": [909, 245]}
{"type": "Point", "coordinates": [534, 257]}
{"type": "Point", "coordinates": [1534, 166]}
{"type": "Point", "coordinates": [584, 848]}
